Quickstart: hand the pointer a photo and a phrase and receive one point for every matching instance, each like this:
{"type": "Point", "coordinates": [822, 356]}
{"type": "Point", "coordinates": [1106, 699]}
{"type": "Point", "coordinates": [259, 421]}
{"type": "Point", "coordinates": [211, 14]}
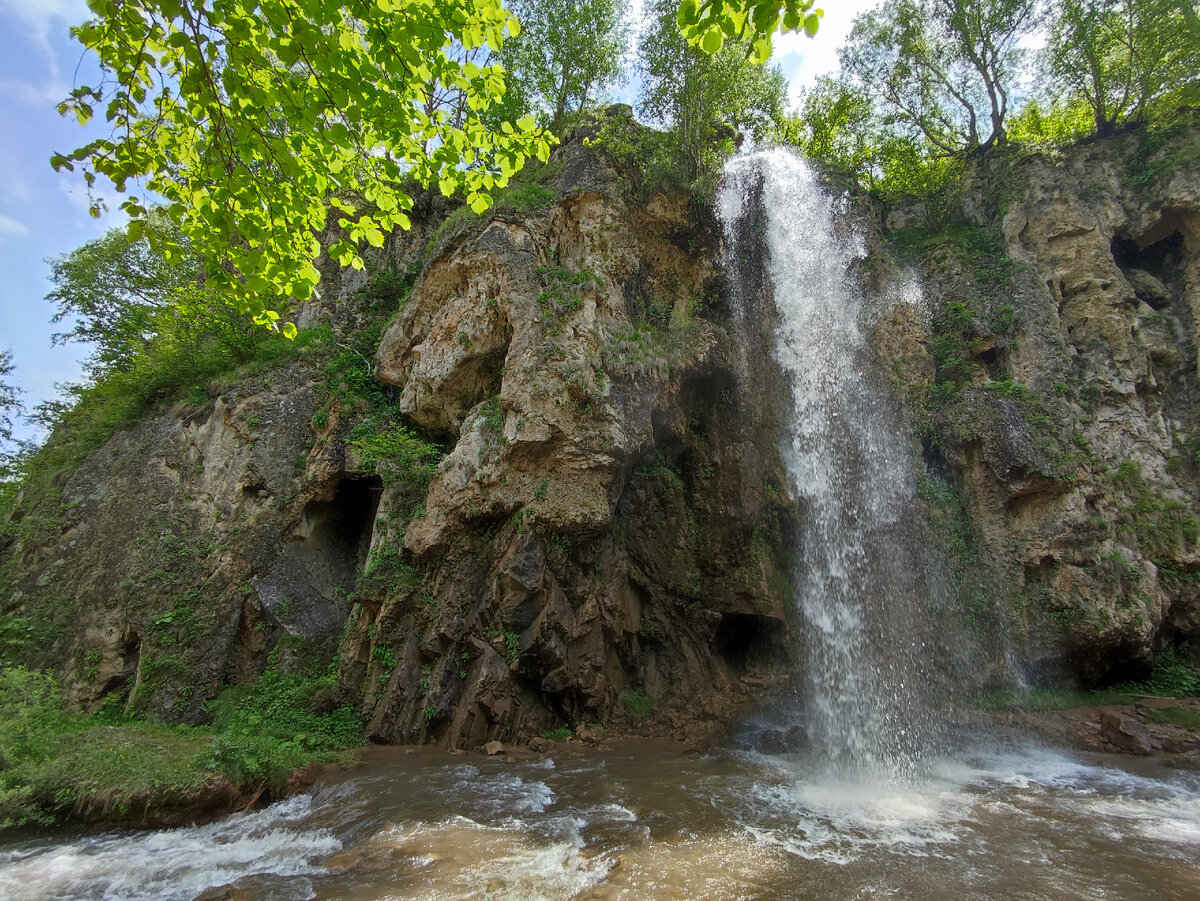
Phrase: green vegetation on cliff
{"type": "Point", "coordinates": [926, 85]}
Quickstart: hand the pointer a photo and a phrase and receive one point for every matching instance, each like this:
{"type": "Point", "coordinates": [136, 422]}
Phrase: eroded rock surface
{"type": "Point", "coordinates": [1066, 418]}
{"type": "Point", "coordinates": [608, 537]}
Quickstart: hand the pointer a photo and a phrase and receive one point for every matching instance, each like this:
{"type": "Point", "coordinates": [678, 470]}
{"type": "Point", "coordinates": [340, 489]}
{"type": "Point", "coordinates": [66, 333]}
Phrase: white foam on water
{"type": "Point", "coordinates": [533, 873]}
{"type": "Point", "coordinates": [176, 863]}
{"type": "Point", "coordinates": [461, 858]}
{"type": "Point", "coordinates": [836, 820]}
{"type": "Point", "coordinates": [828, 817]}
{"type": "Point", "coordinates": [499, 794]}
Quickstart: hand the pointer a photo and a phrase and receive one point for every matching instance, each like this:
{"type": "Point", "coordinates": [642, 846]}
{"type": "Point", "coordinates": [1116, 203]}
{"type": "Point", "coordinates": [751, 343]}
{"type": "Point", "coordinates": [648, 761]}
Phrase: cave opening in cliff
{"type": "Point", "coordinates": [304, 592]}
{"type": "Point", "coordinates": [1161, 259]}
{"type": "Point", "coordinates": [341, 527]}
{"type": "Point", "coordinates": [749, 641]}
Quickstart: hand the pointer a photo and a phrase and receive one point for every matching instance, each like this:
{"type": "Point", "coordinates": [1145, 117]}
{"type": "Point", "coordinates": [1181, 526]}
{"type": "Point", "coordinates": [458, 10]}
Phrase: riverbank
{"type": "Point", "coordinates": [263, 742]}
{"type": "Point", "coordinates": [1002, 818]}
{"type": "Point", "coordinates": [1148, 726]}
{"type": "Point", "coordinates": [270, 740]}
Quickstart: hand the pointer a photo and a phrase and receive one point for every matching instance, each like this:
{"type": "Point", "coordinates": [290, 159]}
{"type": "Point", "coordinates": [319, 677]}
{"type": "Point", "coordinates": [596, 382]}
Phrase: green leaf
{"type": "Point", "coordinates": [712, 41]}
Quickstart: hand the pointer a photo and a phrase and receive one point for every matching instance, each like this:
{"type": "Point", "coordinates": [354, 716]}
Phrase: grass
{"type": "Point", "coordinates": [1043, 700]}
{"type": "Point", "coordinates": [560, 734]}
{"type": "Point", "coordinates": [1176, 716]}
{"type": "Point", "coordinates": [55, 763]}
{"type": "Point", "coordinates": [637, 705]}
{"type": "Point", "coordinates": [1171, 676]}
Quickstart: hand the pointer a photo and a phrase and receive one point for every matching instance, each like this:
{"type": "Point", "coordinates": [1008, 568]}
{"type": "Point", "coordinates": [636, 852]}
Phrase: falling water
{"type": "Point", "coordinates": [848, 463]}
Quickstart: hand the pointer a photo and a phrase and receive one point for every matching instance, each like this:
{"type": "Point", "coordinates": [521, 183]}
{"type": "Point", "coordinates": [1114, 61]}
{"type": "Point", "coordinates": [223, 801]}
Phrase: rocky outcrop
{"type": "Point", "coordinates": [602, 540]}
{"type": "Point", "coordinates": [1065, 409]}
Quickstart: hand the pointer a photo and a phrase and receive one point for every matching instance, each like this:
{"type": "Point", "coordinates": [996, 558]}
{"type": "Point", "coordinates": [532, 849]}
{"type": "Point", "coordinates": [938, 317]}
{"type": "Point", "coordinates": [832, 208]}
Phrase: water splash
{"type": "Point", "coordinates": [848, 463]}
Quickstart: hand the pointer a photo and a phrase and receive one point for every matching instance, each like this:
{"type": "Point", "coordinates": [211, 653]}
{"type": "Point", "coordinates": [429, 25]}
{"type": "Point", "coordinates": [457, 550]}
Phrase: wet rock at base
{"type": "Point", "coordinates": [1125, 734]}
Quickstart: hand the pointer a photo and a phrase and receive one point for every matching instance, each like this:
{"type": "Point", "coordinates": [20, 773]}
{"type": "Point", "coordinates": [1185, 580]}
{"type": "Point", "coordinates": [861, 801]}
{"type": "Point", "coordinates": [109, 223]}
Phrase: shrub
{"type": "Point", "coordinates": [393, 450]}
{"type": "Point", "coordinates": [281, 722]}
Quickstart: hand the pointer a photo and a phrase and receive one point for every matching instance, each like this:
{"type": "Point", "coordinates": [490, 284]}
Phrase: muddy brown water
{"type": "Point", "coordinates": [1005, 820]}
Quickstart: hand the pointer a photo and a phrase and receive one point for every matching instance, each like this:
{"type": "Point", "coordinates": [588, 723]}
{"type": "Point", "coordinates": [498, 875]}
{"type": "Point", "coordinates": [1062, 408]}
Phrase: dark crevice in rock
{"type": "Point", "coordinates": [130, 653]}
{"type": "Point", "coordinates": [748, 642]}
{"type": "Point", "coordinates": [1156, 259]}
{"type": "Point", "coordinates": [343, 524]}
{"type": "Point", "coordinates": [305, 591]}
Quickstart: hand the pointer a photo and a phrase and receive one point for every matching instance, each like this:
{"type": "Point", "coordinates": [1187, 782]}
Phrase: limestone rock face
{"type": "Point", "coordinates": [1069, 421]}
{"type": "Point", "coordinates": [598, 544]}
{"type": "Point", "coordinates": [161, 577]}
{"type": "Point", "coordinates": [603, 540]}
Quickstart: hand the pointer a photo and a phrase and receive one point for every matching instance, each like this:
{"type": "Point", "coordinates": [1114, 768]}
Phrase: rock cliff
{"type": "Point", "coordinates": [526, 475]}
{"type": "Point", "coordinates": [1058, 372]}
{"type": "Point", "coordinates": [602, 539]}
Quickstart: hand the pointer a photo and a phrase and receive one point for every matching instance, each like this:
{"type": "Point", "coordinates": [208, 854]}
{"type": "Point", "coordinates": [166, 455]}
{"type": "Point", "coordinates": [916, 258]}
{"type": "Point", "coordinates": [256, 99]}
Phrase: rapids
{"type": "Point", "coordinates": [641, 821]}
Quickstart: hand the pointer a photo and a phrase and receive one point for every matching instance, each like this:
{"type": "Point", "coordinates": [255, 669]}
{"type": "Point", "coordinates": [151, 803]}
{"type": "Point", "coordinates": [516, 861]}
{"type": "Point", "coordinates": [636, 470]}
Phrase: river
{"type": "Point", "coordinates": [1006, 820]}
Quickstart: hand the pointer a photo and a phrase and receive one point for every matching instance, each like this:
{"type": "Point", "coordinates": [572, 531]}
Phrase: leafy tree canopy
{"type": "Point", "coordinates": [1120, 55]}
{"type": "Point", "coordinates": [255, 118]}
{"type": "Point", "coordinates": [941, 68]}
{"type": "Point", "coordinates": [709, 23]}
{"type": "Point", "coordinates": [705, 98]}
{"type": "Point", "coordinates": [122, 294]}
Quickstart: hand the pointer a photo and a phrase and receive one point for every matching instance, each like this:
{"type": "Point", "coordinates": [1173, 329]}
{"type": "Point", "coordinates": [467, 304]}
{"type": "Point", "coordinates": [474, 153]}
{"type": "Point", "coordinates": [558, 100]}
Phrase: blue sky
{"type": "Point", "coordinates": [43, 214]}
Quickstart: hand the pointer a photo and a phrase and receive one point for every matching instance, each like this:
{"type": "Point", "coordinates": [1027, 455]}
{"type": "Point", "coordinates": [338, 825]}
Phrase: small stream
{"type": "Point", "coordinates": [1002, 821]}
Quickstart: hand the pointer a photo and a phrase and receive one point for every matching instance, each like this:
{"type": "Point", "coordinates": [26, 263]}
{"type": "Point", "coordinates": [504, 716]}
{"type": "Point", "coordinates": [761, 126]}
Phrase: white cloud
{"type": "Point", "coordinates": [12, 228]}
{"type": "Point", "coordinates": [46, 94]}
{"type": "Point", "coordinates": [41, 19]}
{"type": "Point", "coordinates": [818, 56]}
{"type": "Point", "coordinates": [40, 16]}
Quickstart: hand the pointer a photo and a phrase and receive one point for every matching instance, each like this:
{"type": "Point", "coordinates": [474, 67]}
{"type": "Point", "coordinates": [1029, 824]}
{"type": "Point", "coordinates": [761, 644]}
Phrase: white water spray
{"type": "Point", "coordinates": [848, 463]}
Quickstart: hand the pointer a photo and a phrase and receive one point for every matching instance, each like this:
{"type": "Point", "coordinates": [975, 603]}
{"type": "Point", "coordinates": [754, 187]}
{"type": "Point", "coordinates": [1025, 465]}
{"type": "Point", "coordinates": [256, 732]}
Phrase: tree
{"type": "Point", "coordinates": [1119, 55]}
{"type": "Point", "coordinates": [254, 119]}
{"type": "Point", "coordinates": [122, 294]}
{"type": "Point", "coordinates": [985, 34]}
{"type": "Point", "coordinates": [941, 67]}
{"type": "Point", "coordinates": [567, 53]}
{"type": "Point", "coordinates": [257, 121]}
{"type": "Point", "coordinates": [834, 127]}
{"type": "Point", "coordinates": [10, 406]}
{"type": "Point", "coordinates": [704, 98]}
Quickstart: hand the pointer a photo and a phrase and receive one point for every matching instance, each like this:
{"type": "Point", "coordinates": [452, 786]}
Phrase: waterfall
{"type": "Point", "coordinates": [849, 464]}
